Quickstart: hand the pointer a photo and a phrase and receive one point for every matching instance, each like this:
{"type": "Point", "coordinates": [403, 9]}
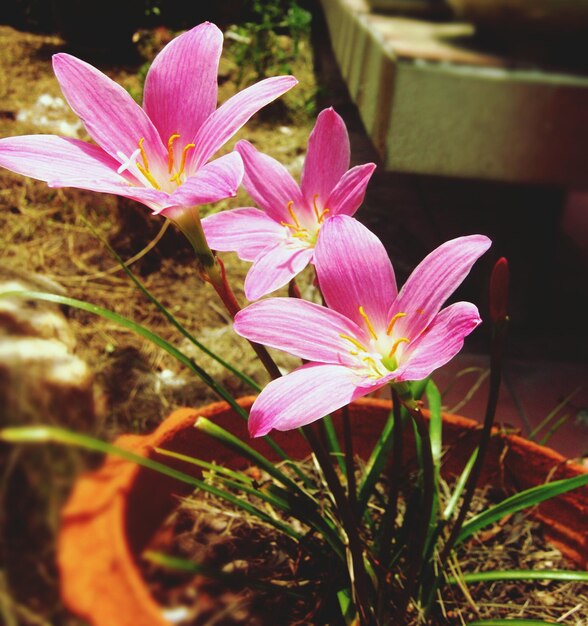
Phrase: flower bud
{"type": "Point", "coordinates": [499, 291]}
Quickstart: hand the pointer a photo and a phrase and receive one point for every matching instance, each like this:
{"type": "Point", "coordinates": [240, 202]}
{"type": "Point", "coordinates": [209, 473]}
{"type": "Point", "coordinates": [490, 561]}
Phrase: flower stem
{"type": "Point", "coordinates": [498, 344]}
{"type": "Point", "coordinates": [389, 521]}
{"type": "Point", "coordinates": [358, 575]}
{"type": "Point", "coordinates": [212, 271]}
{"type": "Point", "coordinates": [418, 546]}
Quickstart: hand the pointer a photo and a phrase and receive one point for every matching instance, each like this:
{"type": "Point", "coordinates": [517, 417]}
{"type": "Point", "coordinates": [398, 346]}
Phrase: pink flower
{"type": "Point", "coordinates": [370, 335]}
{"type": "Point", "coordinates": [159, 154]}
{"type": "Point", "coordinates": [280, 238]}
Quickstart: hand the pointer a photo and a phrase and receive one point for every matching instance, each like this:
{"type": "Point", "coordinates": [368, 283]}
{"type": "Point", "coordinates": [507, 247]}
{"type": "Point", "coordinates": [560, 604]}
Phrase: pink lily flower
{"type": "Point", "coordinates": [159, 154]}
{"type": "Point", "coordinates": [370, 335]}
{"type": "Point", "coordinates": [280, 237]}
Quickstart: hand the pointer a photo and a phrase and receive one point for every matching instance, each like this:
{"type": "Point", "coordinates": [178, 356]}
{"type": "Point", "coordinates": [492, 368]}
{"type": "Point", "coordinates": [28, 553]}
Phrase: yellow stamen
{"type": "Point", "coordinates": [316, 211]}
{"type": "Point", "coordinates": [302, 234]}
{"type": "Point", "coordinates": [321, 217]}
{"type": "Point", "coordinates": [187, 148]}
{"type": "Point", "coordinates": [170, 152]}
{"type": "Point", "coordinates": [393, 322]}
{"type": "Point", "coordinates": [143, 155]}
{"type": "Point", "coordinates": [147, 175]}
{"type": "Point", "coordinates": [293, 215]}
{"type": "Point", "coordinates": [368, 323]}
{"type": "Point", "coordinates": [396, 344]}
{"type": "Point", "coordinates": [353, 341]}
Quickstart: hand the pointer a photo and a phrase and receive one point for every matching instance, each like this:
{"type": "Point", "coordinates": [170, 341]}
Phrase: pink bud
{"type": "Point", "coordinates": [499, 291]}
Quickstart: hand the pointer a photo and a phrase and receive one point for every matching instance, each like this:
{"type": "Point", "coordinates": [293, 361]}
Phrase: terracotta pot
{"type": "Point", "coordinates": [113, 512]}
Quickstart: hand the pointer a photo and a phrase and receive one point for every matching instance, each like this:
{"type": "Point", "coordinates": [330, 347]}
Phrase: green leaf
{"type": "Point", "coordinates": [247, 452]}
{"type": "Point", "coordinates": [435, 423]}
{"type": "Point", "coordinates": [459, 486]}
{"type": "Point", "coordinates": [136, 328]}
{"type": "Point", "coordinates": [183, 565]}
{"type": "Point", "coordinates": [54, 434]}
{"type": "Point", "coordinates": [153, 338]}
{"type": "Point", "coordinates": [520, 574]}
{"type": "Point", "coordinates": [507, 622]}
{"type": "Point", "coordinates": [524, 499]}
{"type": "Point", "coordinates": [168, 315]}
{"type": "Point", "coordinates": [212, 467]}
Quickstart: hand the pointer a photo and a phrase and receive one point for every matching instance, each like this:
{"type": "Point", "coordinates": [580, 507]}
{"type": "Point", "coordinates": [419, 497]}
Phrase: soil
{"type": "Point", "coordinates": [49, 233]}
{"type": "Point", "coordinates": [240, 553]}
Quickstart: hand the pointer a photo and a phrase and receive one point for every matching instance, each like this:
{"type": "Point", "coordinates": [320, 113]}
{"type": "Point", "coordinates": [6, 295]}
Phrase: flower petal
{"type": "Point", "coordinates": [435, 278]}
{"type": "Point", "coordinates": [181, 85]}
{"type": "Point", "coordinates": [304, 396]}
{"type": "Point", "coordinates": [112, 118]}
{"type": "Point", "coordinates": [274, 268]}
{"type": "Point", "coordinates": [302, 328]}
{"type": "Point", "coordinates": [354, 270]}
{"type": "Point", "coordinates": [269, 183]}
{"type": "Point", "coordinates": [48, 157]}
{"type": "Point", "coordinates": [349, 192]}
{"type": "Point", "coordinates": [219, 127]}
{"type": "Point", "coordinates": [327, 156]}
{"type": "Point", "coordinates": [212, 182]}
{"type": "Point", "coordinates": [246, 231]}
{"type": "Point", "coordinates": [440, 342]}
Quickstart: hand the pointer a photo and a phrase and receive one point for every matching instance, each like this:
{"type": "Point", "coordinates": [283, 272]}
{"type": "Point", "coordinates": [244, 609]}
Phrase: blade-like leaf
{"type": "Point", "coordinates": [183, 565]}
{"type": "Point", "coordinates": [168, 315]}
{"type": "Point", "coordinates": [520, 574]}
{"type": "Point", "coordinates": [247, 452]}
{"type": "Point", "coordinates": [522, 500]}
{"type": "Point", "coordinates": [509, 622]}
{"type": "Point", "coordinates": [136, 328]}
{"type": "Point", "coordinates": [54, 434]}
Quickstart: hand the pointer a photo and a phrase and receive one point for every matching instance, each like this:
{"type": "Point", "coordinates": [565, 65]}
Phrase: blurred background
{"type": "Point", "coordinates": [476, 114]}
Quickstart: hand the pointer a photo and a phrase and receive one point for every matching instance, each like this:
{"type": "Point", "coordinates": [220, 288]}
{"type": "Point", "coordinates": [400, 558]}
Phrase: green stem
{"type": "Point", "coordinates": [389, 521]}
{"type": "Point", "coordinates": [213, 272]}
{"type": "Point", "coordinates": [359, 578]}
{"type": "Point", "coordinates": [349, 461]}
{"type": "Point", "coordinates": [498, 345]}
{"type": "Point", "coordinates": [418, 547]}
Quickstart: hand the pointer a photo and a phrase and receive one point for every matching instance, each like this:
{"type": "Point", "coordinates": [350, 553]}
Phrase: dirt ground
{"type": "Point", "coordinates": [48, 232]}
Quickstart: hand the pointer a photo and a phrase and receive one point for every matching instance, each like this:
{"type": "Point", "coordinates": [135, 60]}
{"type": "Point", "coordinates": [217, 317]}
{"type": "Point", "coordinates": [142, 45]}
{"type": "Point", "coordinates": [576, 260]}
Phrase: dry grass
{"type": "Point", "coordinates": [45, 232]}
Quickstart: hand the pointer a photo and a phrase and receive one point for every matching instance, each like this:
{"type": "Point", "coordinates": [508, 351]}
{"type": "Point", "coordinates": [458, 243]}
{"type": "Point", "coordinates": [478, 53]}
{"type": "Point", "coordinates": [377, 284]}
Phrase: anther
{"type": "Point", "coordinates": [368, 323]}
{"type": "Point", "coordinates": [393, 322]}
{"type": "Point", "coordinates": [148, 175]}
{"type": "Point", "coordinates": [396, 344]}
{"type": "Point", "coordinates": [293, 215]}
{"type": "Point", "coordinates": [353, 341]}
{"type": "Point", "coordinates": [187, 148]}
{"type": "Point", "coordinates": [170, 152]}
{"type": "Point", "coordinates": [143, 154]}
{"type": "Point", "coordinates": [315, 208]}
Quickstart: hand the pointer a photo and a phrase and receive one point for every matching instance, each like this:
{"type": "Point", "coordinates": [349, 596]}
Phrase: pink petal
{"type": "Point", "coordinates": [246, 231]}
{"type": "Point", "coordinates": [440, 342]}
{"type": "Point", "coordinates": [349, 192]}
{"type": "Point", "coordinates": [234, 113]}
{"type": "Point", "coordinates": [304, 396]}
{"type": "Point", "coordinates": [112, 118]}
{"type": "Point", "coordinates": [327, 156]}
{"type": "Point", "coordinates": [181, 85]}
{"type": "Point", "coordinates": [212, 182]}
{"type": "Point", "coordinates": [354, 270]}
{"type": "Point", "coordinates": [269, 183]}
{"type": "Point", "coordinates": [433, 281]}
{"type": "Point", "coordinates": [48, 157]}
{"type": "Point", "coordinates": [302, 328]}
{"type": "Point", "coordinates": [274, 268]}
